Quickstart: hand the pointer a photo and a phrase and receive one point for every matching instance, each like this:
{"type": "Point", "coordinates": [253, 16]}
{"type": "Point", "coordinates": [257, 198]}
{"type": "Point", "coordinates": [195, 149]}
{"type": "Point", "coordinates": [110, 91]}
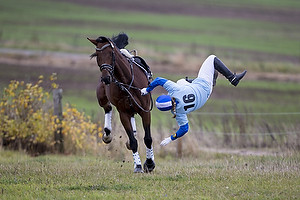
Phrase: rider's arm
{"type": "Point", "coordinates": [183, 124]}
{"type": "Point", "coordinates": [180, 132]}
{"type": "Point", "coordinates": [156, 82]}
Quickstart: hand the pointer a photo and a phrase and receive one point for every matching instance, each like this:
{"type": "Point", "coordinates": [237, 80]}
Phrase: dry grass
{"type": "Point", "coordinates": [211, 176]}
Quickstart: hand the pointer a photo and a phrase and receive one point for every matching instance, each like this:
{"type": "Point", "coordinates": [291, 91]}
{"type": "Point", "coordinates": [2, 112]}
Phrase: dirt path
{"type": "Point", "coordinates": [83, 61]}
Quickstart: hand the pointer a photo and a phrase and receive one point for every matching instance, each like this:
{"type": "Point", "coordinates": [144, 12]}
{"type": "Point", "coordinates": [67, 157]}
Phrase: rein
{"type": "Point", "coordinates": [111, 68]}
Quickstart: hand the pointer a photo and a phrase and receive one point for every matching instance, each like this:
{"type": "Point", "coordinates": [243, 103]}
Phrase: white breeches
{"type": "Point", "coordinates": [207, 70]}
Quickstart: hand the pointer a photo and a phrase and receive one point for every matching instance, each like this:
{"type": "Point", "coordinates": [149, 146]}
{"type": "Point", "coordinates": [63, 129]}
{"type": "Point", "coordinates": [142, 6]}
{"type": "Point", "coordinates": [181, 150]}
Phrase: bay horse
{"type": "Point", "coordinates": [119, 85]}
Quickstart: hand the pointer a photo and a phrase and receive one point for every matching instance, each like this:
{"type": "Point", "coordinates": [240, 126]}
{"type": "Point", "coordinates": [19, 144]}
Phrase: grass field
{"type": "Point", "coordinates": [210, 176]}
{"type": "Point", "coordinates": [64, 25]}
{"type": "Point", "coordinates": [243, 144]}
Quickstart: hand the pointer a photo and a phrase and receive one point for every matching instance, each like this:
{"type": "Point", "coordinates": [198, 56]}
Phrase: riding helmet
{"type": "Point", "coordinates": [164, 102]}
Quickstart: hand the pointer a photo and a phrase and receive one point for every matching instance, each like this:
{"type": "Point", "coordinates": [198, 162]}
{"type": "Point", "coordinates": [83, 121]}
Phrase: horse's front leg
{"type": "Point", "coordinates": [105, 104]}
{"type": "Point", "coordinates": [149, 164]}
{"type": "Point", "coordinates": [107, 137]}
{"type": "Point", "coordinates": [126, 122]}
{"type": "Point", "coordinates": [133, 125]}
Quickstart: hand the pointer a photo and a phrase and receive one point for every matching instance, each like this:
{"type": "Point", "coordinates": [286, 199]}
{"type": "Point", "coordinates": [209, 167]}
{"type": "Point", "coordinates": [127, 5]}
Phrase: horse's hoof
{"type": "Point", "coordinates": [106, 137]}
{"type": "Point", "coordinates": [149, 165]}
{"type": "Point", "coordinates": [127, 145]}
{"type": "Point", "coordinates": [138, 169]}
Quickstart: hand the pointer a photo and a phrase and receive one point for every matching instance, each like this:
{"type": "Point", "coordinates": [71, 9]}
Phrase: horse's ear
{"type": "Point", "coordinates": [93, 41]}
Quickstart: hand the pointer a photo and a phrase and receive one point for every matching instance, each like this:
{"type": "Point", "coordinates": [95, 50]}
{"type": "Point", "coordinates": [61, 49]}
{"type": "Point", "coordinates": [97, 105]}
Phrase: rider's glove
{"type": "Point", "coordinates": [144, 91]}
{"type": "Point", "coordinates": [166, 141]}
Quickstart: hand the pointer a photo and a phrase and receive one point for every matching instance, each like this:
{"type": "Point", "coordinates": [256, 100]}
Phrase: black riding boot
{"type": "Point", "coordinates": [233, 78]}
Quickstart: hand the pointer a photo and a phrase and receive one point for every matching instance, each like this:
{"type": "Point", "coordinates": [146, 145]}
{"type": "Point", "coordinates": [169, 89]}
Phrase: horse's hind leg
{"type": "Point", "coordinates": [126, 122]}
{"type": "Point", "coordinates": [105, 104]}
{"type": "Point", "coordinates": [149, 164]}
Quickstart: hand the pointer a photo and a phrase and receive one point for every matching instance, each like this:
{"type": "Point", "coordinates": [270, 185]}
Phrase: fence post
{"type": "Point", "coordinates": [58, 137]}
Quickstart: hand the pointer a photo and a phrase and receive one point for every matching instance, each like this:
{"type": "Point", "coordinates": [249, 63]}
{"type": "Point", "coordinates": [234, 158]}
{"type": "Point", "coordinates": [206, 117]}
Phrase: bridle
{"type": "Point", "coordinates": [111, 67]}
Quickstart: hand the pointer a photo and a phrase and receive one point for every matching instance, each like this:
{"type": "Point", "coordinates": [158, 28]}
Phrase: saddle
{"type": "Point", "coordinates": [139, 61]}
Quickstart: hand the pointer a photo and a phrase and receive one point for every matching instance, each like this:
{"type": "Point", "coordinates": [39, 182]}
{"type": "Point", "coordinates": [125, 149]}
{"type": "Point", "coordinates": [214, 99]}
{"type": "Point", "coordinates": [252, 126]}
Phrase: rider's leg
{"type": "Point", "coordinates": [207, 71]}
{"type": "Point", "coordinates": [232, 77]}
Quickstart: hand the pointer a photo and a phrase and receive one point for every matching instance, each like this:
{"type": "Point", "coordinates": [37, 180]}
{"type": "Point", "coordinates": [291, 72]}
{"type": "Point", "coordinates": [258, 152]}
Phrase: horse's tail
{"type": "Point", "coordinates": [120, 40]}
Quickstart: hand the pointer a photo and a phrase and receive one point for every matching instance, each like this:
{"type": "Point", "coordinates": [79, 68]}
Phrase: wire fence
{"type": "Point", "coordinates": [224, 114]}
{"type": "Point", "coordinates": [247, 114]}
{"type": "Point", "coordinates": [252, 134]}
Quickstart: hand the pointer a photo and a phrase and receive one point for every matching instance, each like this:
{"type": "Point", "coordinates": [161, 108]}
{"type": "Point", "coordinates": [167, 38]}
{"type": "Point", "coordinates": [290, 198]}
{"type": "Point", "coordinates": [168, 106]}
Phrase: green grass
{"type": "Point", "coordinates": [52, 25]}
{"type": "Point", "coordinates": [210, 176]}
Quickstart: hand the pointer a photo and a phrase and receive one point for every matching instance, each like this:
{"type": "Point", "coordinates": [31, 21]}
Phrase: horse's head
{"type": "Point", "coordinates": [105, 57]}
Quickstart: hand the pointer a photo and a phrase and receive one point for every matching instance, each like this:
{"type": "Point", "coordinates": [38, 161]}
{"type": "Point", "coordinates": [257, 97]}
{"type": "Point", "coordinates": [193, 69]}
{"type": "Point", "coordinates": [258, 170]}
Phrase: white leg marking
{"type": "Point", "coordinates": [133, 125]}
{"type": "Point", "coordinates": [107, 120]}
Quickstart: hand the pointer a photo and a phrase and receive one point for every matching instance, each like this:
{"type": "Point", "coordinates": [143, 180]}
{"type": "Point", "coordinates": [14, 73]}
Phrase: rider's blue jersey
{"type": "Point", "coordinates": [188, 97]}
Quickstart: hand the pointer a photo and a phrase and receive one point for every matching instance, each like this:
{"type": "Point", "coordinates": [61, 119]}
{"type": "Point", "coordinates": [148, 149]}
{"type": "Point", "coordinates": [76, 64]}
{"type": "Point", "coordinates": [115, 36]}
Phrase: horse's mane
{"type": "Point", "coordinates": [121, 40]}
